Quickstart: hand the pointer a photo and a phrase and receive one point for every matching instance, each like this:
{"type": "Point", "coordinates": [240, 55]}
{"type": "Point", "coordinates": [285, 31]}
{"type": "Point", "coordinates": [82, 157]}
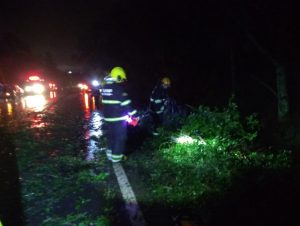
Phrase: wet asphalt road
{"type": "Point", "coordinates": [31, 111]}
{"type": "Point", "coordinates": [13, 114]}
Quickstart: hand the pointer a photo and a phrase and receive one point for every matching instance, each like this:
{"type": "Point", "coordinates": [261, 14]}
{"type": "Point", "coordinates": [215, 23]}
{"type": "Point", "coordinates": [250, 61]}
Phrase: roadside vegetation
{"type": "Point", "coordinates": [214, 170]}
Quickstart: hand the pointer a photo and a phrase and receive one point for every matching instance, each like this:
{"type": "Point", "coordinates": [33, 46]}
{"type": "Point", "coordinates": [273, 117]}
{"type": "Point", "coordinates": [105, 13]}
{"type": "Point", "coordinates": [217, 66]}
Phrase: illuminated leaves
{"type": "Point", "coordinates": [188, 171]}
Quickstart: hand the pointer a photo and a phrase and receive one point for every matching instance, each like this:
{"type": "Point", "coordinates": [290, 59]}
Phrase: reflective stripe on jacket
{"type": "Point", "coordinates": [116, 102]}
{"type": "Point", "coordinates": [157, 99]}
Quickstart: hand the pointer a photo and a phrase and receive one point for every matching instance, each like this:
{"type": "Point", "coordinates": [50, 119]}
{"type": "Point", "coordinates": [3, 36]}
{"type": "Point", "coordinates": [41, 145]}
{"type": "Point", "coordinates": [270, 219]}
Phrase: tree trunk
{"type": "Point", "coordinates": [282, 97]}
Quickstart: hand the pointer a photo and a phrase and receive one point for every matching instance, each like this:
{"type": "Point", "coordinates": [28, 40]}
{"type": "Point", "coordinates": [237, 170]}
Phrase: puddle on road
{"type": "Point", "coordinates": [39, 103]}
{"type": "Point", "coordinates": [27, 108]}
{"type": "Point", "coordinates": [92, 134]}
{"type": "Point", "coordinates": [37, 121]}
{"type": "Point", "coordinates": [35, 105]}
{"type": "Point", "coordinates": [93, 126]}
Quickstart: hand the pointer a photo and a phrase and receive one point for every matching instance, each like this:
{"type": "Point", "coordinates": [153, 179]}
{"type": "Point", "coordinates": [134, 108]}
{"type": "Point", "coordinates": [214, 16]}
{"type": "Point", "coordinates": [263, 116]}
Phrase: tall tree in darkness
{"type": "Point", "coordinates": [282, 94]}
{"type": "Point", "coordinates": [279, 70]}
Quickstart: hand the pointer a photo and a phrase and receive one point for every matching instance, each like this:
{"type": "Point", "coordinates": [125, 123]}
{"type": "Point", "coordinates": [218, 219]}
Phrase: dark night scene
{"type": "Point", "coordinates": [149, 113]}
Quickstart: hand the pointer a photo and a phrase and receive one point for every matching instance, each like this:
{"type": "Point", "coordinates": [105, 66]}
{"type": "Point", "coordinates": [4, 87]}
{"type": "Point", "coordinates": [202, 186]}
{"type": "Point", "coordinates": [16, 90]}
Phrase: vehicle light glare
{"type": "Point", "coordinates": [9, 109]}
{"type": "Point", "coordinates": [95, 83]}
{"type": "Point", "coordinates": [82, 86]}
{"type": "Point", "coordinates": [86, 101]}
{"type": "Point", "coordinates": [34, 78]}
{"type": "Point", "coordinates": [36, 103]}
{"type": "Point", "coordinates": [38, 88]}
{"type": "Point", "coordinates": [28, 88]}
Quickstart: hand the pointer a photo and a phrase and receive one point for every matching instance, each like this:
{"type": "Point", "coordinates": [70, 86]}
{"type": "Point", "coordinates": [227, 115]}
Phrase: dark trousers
{"type": "Point", "coordinates": [117, 136]}
{"type": "Point", "coordinates": [157, 119]}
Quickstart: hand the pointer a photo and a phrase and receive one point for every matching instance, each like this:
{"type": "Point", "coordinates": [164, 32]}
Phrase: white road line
{"type": "Point", "coordinates": [131, 205]}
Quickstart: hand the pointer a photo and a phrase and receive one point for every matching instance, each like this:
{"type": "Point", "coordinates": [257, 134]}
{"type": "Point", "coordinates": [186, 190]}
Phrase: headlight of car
{"type": "Point", "coordinates": [28, 88]}
{"type": "Point", "coordinates": [38, 88]}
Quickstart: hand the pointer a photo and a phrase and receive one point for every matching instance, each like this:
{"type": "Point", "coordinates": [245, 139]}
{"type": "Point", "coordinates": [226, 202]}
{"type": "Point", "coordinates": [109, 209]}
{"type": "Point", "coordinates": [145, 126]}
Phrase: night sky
{"type": "Point", "coordinates": [204, 46]}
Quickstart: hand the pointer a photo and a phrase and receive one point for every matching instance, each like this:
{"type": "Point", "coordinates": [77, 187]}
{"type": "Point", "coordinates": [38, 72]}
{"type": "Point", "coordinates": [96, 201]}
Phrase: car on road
{"type": "Point", "coordinates": [37, 85]}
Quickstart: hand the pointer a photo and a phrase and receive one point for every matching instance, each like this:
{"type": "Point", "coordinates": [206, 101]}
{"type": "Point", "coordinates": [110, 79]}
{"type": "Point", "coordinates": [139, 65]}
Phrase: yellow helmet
{"type": "Point", "coordinates": [166, 81]}
{"type": "Point", "coordinates": [118, 74]}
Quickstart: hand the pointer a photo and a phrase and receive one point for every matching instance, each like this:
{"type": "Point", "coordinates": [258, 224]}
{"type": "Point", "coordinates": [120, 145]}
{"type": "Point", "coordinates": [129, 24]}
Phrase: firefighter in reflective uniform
{"type": "Point", "coordinates": [158, 98]}
{"type": "Point", "coordinates": [116, 111]}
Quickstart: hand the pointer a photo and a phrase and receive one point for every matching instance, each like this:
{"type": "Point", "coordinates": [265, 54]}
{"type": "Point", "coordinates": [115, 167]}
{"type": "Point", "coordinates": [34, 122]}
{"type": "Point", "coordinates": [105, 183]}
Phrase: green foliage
{"type": "Point", "coordinates": [224, 125]}
{"type": "Point", "coordinates": [189, 173]}
{"type": "Point", "coordinates": [86, 176]}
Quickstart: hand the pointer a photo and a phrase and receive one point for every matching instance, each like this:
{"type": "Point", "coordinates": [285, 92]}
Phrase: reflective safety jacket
{"type": "Point", "coordinates": [158, 98]}
{"type": "Point", "coordinates": [116, 102]}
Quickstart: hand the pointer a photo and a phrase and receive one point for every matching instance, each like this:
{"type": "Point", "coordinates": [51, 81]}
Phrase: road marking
{"type": "Point", "coordinates": [131, 205]}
